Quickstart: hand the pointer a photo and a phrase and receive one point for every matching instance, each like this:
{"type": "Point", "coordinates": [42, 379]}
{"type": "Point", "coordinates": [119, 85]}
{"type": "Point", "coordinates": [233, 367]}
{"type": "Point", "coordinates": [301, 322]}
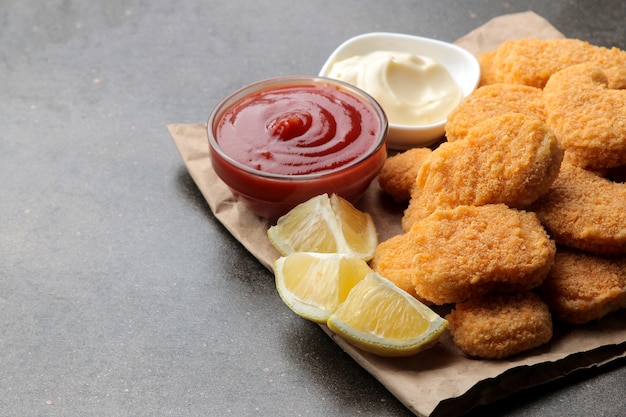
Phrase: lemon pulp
{"type": "Point", "coordinates": [325, 224]}
{"type": "Point", "coordinates": [323, 276]}
{"type": "Point", "coordinates": [380, 318]}
{"type": "Point", "coordinates": [313, 285]}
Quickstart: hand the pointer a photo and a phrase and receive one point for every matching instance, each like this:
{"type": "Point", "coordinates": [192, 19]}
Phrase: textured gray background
{"type": "Point", "coordinates": [120, 293]}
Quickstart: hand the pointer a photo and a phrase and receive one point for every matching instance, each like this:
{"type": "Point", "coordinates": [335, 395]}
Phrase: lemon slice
{"type": "Point", "coordinates": [326, 225]}
{"type": "Point", "coordinates": [314, 284]}
{"type": "Point", "coordinates": [380, 318]}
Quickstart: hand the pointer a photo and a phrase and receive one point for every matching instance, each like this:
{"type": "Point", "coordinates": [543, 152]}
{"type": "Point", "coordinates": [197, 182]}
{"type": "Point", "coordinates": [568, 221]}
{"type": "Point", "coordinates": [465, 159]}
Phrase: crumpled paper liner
{"type": "Point", "coordinates": [440, 381]}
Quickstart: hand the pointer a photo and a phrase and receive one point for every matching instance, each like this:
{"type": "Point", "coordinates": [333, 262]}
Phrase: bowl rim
{"type": "Point", "coordinates": [468, 59]}
{"type": "Point", "coordinates": [229, 100]}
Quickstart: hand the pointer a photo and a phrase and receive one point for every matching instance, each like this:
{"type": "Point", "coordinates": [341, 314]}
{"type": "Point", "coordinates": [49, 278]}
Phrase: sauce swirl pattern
{"type": "Point", "coordinates": [298, 129]}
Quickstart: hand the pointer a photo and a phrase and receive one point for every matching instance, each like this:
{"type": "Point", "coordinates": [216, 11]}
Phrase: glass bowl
{"type": "Point", "coordinates": [271, 194]}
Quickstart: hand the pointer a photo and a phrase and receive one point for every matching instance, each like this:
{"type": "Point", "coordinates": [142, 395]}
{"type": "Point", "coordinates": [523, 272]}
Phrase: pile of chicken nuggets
{"type": "Point", "coordinates": [519, 218]}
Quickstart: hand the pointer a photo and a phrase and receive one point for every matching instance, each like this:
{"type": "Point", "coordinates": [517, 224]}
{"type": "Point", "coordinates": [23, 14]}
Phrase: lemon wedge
{"type": "Point", "coordinates": [325, 224]}
{"type": "Point", "coordinates": [314, 284]}
{"type": "Point", "coordinates": [381, 318]}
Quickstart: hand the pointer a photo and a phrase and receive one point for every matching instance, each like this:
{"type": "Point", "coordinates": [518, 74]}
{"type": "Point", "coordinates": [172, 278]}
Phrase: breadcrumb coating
{"type": "Point", "coordinates": [588, 118]}
{"type": "Point", "coordinates": [394, 259]}
{"type": "Point", "coordinates": [510, 159]}
{"type": "Point", "coordinates": [397, 176]}
{"type": "Point", "coordinates": [532, 61]}
{"type": "Point", "coordinates": [585, 211]}
{"type": "Point", "coordinates": [582, 287]}
{"type": "Point", "coordinates": [493, 100]}
{"type": "Point", "coordinates": [466, 252]}
{"type": "Point", "coordinates": [535, 157]}
{"type": "Point", "coordinates": [500, 325]}
{"type": "Point", "coordinates": [487, 68]}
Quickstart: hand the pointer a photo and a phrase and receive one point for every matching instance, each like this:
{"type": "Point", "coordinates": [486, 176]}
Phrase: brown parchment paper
{"type": "Point", "coordinates": [440, 381]}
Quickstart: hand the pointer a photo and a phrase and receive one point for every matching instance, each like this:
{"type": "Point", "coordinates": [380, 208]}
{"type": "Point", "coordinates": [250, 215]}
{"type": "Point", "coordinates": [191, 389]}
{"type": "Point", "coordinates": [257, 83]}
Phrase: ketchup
{"type": "Point", "coordinates": [298, 129]}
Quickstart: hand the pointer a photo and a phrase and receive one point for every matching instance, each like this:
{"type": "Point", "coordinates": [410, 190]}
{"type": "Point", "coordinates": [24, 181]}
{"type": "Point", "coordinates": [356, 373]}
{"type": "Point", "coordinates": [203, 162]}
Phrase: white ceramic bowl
{"type": "Point", "coordinates": [460, 63]}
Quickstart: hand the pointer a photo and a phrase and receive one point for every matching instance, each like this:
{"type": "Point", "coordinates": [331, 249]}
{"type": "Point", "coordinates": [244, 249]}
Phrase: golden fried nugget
{"type": "Point", "coordinates": [487, 70]}
{"type": "Point", "coordinates": [588, 118]}
{"type": "Point", "coordinates": [468, 251]}
{"type": "Point", "coordinates": [500, 325]}
{"type": "Point", "coordinates": [393, 259]}
{"type": "Point", "coordinates": [532, 61]}
{"type": "Point", "coordinates": [397, 177]}
{"type": "Point", "coordinates": [584, 210]}
{"type": "Point", "coordinates": [493, 100]}
{"type": "Point", "coordinates": [510, 159]}
{"type": "Point", "coordinates": [582, 287]}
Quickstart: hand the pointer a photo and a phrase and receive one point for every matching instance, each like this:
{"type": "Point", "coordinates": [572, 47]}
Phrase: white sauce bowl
{"type": "Point", "coordinates": [460, 63]}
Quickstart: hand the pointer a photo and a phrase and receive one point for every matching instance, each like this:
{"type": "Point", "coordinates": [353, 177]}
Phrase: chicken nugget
{"type": "Point", "coordinates": [588, 118]}
{"type": "Point", "coordinates": [500, 325]}
{"type": "Point", "coordinates": [397, 176]}
{"type": "Point", "coordinates": [585, 211]}
{"type": "Point", "coordinates": [493, 100]}
{"type": "Point", "coordinates": [468, 251]}
{"type": "Point", "coordinates": [510, 159]}
{"type": "Point", "coordinates": [394, 260]}
{"type": "Point", "coordinates": [532, 61]}
{"type": "Point", "coordinates": [582, 287]}
{"type": "Point", "coordinates": [487, 69]}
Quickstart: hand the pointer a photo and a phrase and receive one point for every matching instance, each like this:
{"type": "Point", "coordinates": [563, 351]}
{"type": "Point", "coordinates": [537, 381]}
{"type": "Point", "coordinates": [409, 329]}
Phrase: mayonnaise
{"type": "Point", "coordinates": [413, 90]}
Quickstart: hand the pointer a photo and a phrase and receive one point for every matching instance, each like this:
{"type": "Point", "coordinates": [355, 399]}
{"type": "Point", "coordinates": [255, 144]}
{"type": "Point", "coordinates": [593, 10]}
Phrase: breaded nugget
{"type": "Point", "coordinates": [397, 177]}
{"type": "Point", "coordinates": [588, 118]}
{"type": "Point", "coordinates": [487, 70]}
{"type": "Point", "coordinates": [510, 159]}
{"type": "Point", "coordinates": [582, 287]}
{"type": "Point", "coordinates": [468, 251]}
{"type": "Point", "coordinates": [394, 259]}
{"type": "Point", "coordinates": [584, 210]}
{"type": "Point", "coordinates": [532, 61]}
{"type": "Point", "coordinates": [493, 100]}
{"type": "Point", "coordinates": [497, 325]}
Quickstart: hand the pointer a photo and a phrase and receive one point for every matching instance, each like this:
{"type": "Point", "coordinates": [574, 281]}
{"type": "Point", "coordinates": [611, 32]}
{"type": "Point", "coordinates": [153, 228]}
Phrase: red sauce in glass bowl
{"type": "Point", "coordinates": [298, 129]}
{"type": "Point", "coordinates": [279, 142]}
